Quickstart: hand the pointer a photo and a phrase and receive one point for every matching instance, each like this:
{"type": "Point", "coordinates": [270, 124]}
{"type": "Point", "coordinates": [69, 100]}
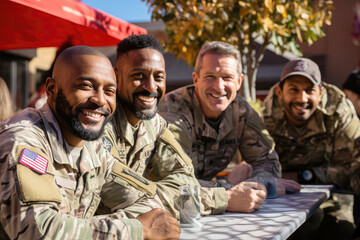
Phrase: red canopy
{"type": "Point", "coordinates": [50, 23]}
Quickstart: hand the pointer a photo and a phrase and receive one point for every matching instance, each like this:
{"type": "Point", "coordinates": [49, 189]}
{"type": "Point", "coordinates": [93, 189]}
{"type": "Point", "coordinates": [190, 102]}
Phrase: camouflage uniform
{"type": "Point", "coordinates": [323, 151]}
{"type": "Point", "coordinates": [60, 203]}
{"type": "Point", "coordinates": [151, 151]}
{"type": "Point", "coordinates": [325, 146]}
{"type": "Point", "coordinates": [211, 151]}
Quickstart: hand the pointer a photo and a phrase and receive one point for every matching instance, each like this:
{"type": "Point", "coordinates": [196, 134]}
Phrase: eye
{"type": "Point", "coordinates": [86, 86]}
{"type": "Point", "coordinates": [160, 77]}
{"type": "Point", "coordinates": [138, 76]}
{"type": "Point", "coordinates": [110, 91]}
{"type": "Point", "coordinates": [293, 90]}
{"type": "Point", "coordinates": [310, 91]}
{"type": "Point", "coordinates": [210, 77]}
{"type": "Point", "coordinates": [228, 78]}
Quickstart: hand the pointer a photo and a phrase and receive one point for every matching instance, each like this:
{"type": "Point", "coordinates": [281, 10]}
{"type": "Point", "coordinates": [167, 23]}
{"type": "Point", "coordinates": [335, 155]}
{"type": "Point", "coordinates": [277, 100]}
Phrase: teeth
{"type": "Point", "coordinates": [92, 114]}
{"type": "Point", "coordinates": [146, 98]}
{"type": "Point", "coordinates": [300, 107]}
{"type": "Point", "coordinates": [217, 96]}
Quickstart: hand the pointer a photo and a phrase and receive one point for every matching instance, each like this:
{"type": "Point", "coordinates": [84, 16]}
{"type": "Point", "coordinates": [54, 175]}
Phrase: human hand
{"type": "Point", "coordinates": [246, 197]}
{"type": "Point", "coordinates": [282, 184]}
{"type": "Point", "coordinates": [242, 171]}
{"type": "Point", "coordinates": [159, 224]}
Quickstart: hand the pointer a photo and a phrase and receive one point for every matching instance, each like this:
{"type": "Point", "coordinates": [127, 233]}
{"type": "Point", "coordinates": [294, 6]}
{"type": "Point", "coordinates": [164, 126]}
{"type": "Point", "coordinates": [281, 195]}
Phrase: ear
{"type": "Point", "coordinates": [195, 77]}
{"type": "Point", "coordinates": [50, 86]}
{"type": "Point", "coordinates": [279, 92]}
{"type": "Point", "coordinates": [321, 91]}
{"type": "Point", "coordinates": [239, 82]}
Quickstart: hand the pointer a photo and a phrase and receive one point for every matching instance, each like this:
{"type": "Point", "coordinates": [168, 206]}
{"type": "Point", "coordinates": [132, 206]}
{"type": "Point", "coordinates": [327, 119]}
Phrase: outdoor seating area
{"type": "Point", "coordinates": [156, 119]}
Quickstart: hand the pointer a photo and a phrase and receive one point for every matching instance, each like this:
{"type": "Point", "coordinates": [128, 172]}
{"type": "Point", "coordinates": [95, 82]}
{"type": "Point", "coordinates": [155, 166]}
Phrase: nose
{"type": "Point", "coordinates": [150, 84]}
{"type": "Point", "coordinates": [219, 83]}
{"type": "Point", "coordinates": [99, 98]}
{"type": "Point", "coordinates": [303, 96]}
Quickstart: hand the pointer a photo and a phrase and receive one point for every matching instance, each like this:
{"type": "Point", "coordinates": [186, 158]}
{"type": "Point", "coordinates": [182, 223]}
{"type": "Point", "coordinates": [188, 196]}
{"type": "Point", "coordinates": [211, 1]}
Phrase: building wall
{"type": "Point", "coordinates": [341, 56]}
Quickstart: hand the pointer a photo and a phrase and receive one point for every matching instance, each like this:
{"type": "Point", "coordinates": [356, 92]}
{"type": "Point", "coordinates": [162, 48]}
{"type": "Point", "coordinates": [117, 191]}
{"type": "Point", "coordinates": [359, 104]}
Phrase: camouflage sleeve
{"type": "Point", "coordinates": [170, 168]}
{"type": "Point", "coordinates": [258, 148]}
{"type": "Point", "coordinates": [346, 159]}
{"type": "Point", "coordinates": [30, 205]}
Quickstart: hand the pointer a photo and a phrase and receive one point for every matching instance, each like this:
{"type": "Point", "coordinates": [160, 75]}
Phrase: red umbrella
{"type": "Point", "coordinates": [50, 23]}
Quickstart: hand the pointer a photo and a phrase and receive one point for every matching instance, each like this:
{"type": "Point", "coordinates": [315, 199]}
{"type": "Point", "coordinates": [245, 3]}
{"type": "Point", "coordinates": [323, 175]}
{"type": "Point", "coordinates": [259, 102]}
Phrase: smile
{"type": "Point", "coordinates": [91, 114]}
{"type": "Point", "coordinates": [146, 98]}
{"type": "Point", "coordinates": [301, 107]}
{"type": "Point", "coordinates": [217, 96]}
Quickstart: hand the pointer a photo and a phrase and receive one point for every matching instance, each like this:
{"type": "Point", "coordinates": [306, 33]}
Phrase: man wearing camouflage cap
{"type": "Point", "coordinates": [212, 123]}
{"type": "Point", "coordinates": [314, 127]}
{"type": "Point", "coordinates": [51, 171]}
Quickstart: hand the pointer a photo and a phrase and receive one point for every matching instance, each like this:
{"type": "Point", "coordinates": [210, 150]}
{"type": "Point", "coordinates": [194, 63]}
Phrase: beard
{"type": "Point", "coordinates": [138, 110]}
{"type": "Point", "coordinates": [300, 118]}
{"type": "Point", "coordinates": [62, 106]}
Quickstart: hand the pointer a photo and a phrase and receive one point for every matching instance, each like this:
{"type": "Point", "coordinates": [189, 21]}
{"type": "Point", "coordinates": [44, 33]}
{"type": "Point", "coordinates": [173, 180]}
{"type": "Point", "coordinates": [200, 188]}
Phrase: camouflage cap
{"type": "Point", "coordinates": [303, 67]}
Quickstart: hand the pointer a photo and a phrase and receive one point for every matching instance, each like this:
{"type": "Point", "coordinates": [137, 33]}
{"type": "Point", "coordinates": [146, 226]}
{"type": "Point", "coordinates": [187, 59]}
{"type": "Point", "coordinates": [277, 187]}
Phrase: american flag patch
{"type": "Point", "coordinates": [34, 161]}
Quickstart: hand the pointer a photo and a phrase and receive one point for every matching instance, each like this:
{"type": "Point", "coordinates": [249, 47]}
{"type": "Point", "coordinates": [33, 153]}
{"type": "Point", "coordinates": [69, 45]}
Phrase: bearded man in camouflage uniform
{"type": "Point", "coordinates": [212, 122]}
{"type": "Point", "coordinates": [315, 130]}
{"type": "Point", "coordinates": [52, 173]}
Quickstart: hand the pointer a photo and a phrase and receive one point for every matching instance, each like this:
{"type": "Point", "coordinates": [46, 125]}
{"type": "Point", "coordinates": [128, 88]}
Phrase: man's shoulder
{"type": "Point", "coordinates": [26, 120]}
{"type": "Point", "coordinates": [177, 99]}
{"type": "Point", "coordinates": [272, 106]}
{"type": "Point", "coordinates": [23, 131]}
{"type": "Point", "coordinates": [334, 102]}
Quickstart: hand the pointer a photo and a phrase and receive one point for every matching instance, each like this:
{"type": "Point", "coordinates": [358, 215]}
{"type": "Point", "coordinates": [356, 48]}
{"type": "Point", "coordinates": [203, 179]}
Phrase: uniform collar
{"type": "Point", "coordinates": [126, 131]}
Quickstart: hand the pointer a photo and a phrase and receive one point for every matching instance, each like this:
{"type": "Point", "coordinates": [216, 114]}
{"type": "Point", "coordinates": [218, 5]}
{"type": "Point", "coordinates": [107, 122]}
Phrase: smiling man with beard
{"type": "Point", "coordinates": [314, 127]}
{"type": "Point", "coordinates": [51, 171]}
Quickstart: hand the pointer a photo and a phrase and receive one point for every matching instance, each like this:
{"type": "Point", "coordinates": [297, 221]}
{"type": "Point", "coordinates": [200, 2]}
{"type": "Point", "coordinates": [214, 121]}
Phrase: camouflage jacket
{"type": "Point", "coordinates": [211, 151]}
{"type": "Point", "coordinates": [325, 145]}
{"type": "Point", "coordinates": [152, 153]}
{"type": "Point", "coordinates": [44, 193]}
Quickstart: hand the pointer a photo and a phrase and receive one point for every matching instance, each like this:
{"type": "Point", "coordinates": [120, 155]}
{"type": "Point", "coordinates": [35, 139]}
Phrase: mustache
{"type": "Point", "coordinates": [303, 105]}
{"type": "Point", "coordinates": [148, 94]}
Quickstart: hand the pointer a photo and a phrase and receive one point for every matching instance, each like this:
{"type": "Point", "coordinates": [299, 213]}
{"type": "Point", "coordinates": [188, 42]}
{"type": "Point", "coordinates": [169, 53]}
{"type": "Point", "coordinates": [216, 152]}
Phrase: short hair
{"type": "Point", "coordinates": [134, 42]}
{"type": "Point", "coordinates": [221, 48]}
{"type": "Point", "coordinates": [68, 54]}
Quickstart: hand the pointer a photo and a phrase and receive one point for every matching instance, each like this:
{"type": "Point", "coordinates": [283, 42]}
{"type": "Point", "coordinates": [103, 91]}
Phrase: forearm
{"type": "Point", "coordinates": [35, 221]}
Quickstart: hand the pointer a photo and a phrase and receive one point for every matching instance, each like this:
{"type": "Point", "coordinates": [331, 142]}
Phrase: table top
{"type": "Point", "coordinates": [276, 219]}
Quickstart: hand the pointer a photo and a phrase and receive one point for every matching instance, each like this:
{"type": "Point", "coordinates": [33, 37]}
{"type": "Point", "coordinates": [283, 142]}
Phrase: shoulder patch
{"type": "Point", "coordinates": [168, 137]}
{"type": "Point", "coordinates": [34, 161]}
{"type": "Point", "coordinates": [106, 143]}
{"type": "Point", "coordinates": [35, 186]}
{"type": "Point", "coordinates": [134, 179]}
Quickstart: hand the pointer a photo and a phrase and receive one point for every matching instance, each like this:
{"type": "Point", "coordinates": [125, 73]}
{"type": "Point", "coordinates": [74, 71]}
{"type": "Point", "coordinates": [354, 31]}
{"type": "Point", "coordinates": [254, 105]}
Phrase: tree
{"type": "Point", "coordinates": [251, 25]}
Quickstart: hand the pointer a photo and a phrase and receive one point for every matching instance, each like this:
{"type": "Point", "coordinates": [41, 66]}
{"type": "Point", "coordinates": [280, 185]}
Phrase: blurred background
{"type": "Point", "coordinates": [33, 35]}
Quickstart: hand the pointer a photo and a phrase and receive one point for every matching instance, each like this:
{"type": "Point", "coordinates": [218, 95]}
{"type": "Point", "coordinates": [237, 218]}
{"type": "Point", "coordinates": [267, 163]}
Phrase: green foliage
{"type": "Point", "coordinates": [257, 105]}
{"type": "Point", "coordinates": [282, 23]}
